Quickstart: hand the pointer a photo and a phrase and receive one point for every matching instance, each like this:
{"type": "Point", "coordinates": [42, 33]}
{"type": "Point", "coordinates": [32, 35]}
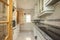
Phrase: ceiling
{"type": "Point", "coordinates": [26, 4]}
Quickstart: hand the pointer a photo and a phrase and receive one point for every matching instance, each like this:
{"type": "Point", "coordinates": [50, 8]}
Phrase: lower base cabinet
{"type": "Point", "coordinates": [40, 35]}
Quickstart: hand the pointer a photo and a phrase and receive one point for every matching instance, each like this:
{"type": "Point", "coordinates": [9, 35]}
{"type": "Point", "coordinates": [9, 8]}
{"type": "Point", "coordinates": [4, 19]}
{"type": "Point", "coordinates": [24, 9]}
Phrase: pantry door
{"type": "Point", "coordinates": [5, 19]}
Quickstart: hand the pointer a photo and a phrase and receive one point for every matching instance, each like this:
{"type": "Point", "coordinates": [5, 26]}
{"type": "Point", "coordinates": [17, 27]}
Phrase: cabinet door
{"type": "Point", "coordinates": [3, 12]}
{"type": "Point", "coordinates": [41, 5]}
{"type": "Point", "coordinates": [3, 31]}
{"type": "Point", "coordinates": [5, 20]}
{"type": "Point", "coordinates": [5, 1]}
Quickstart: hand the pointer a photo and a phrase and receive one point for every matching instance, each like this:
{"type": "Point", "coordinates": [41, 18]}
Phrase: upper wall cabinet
{"type": "Point", "coordinates": [47, 7]}
{"type": "Point", "coordinates": [51, 2]}
{"type": "Point", "coordinates": [41, 5]}
{"type": "Point", "coordinates": [45, 10]}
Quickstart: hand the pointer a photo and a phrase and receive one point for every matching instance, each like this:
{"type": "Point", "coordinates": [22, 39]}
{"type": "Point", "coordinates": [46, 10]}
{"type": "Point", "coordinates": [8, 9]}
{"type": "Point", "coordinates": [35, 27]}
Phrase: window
{"type": "Point", "coordinates": [28, 18]}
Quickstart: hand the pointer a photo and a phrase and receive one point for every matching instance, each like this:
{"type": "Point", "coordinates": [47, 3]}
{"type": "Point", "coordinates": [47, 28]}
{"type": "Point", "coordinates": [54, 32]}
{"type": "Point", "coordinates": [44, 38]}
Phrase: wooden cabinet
{"type": "Point", "coordinates": [3, 12]}
{"type": "Point", "coordinates": [21, 16]}
{"type": "Point", "coordinates": [3, 31]}
{"type": "Point", "coordinates": [6, 2]}
{"type": "Point", "coordinates": [17, 17]}
{"type": "Point", "coordinates": [5, 19]}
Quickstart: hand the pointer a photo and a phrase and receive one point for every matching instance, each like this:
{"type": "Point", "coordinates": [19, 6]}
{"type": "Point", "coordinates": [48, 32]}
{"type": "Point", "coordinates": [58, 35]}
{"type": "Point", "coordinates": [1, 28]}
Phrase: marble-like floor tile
{"type": "Point", "coordinates": [26, 36]}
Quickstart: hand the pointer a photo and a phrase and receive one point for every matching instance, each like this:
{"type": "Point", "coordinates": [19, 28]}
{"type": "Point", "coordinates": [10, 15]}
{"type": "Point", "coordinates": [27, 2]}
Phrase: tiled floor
{"type": "Point", "coordinates": [26, 36]}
